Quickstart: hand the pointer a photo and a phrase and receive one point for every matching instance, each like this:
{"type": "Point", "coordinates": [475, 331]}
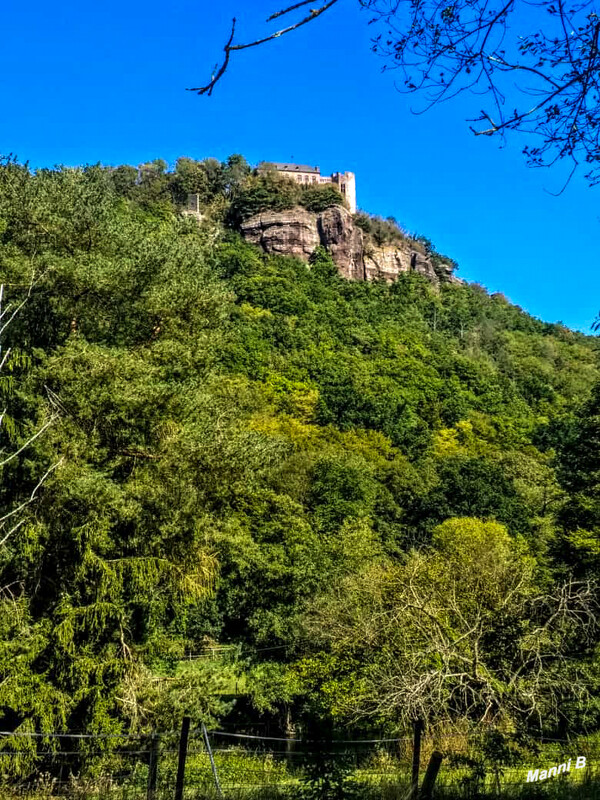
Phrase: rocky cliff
{"type": "Point", "coordinates": [297, 232]}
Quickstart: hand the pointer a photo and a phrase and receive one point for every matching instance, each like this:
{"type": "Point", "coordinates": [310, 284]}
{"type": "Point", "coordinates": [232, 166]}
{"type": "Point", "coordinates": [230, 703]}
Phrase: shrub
{"type": "Point", "coordinates": [318, 198]}
{"type": "Point", "coordinates": [273, 192]}
{"type": "Point", "coordinates": [441, 263]}
{"type": "Point", "coordinates": [263, 193]}
{"type": "Point", "coordinates": [382, 231]}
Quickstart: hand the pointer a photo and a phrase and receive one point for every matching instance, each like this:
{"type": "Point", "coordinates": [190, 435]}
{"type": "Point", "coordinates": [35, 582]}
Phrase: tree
{"type": "Point", "coordinates": [13, 518]}
{"type": "Point", "coordinates": [544, 83]}
{"type": "Point", "coordinates": [459, 632]}
{"type": "Point", "coordinates": [20, 640]}
{"type": "Point", "coordinates": [95, 571]}
{"type": "Point", "coordinates": [235, 172]}
{"type": "Point", "coordinates": [153, 182]}
{"type": "Point", "coordinates": [245, 435]}
{"type": "Point", "coordinates": [579, 462]}
{"type": "Point", "coordinates": [190, 178]}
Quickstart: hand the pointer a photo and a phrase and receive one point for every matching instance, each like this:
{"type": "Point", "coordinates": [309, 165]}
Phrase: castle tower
{"type": "Point", "coordinates": [346, 183]}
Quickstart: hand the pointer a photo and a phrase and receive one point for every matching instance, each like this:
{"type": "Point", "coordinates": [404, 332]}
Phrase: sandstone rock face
{"type": "Point", "coordinates": [341, 237]}
{"type": "Point", "coordinates": [389, 261]}
{"type": "Point", "coordinates": [445, 274]}
{"type": "Point", "coordinates": [297, 232]}
{"type": "Point", "coordinates": [291, 233]}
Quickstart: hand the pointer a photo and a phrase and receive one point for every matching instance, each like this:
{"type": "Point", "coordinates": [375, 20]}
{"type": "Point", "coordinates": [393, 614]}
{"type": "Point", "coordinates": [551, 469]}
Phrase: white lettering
{"type": "Point", "coordinates": [552, 772]}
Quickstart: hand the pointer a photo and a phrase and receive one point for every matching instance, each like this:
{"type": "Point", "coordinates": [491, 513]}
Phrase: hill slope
{"type": "Point", "coordinates": [246, 446]}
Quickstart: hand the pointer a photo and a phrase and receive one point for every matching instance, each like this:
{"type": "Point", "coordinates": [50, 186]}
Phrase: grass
{"type": "Point", "coordinates": [247, 775]}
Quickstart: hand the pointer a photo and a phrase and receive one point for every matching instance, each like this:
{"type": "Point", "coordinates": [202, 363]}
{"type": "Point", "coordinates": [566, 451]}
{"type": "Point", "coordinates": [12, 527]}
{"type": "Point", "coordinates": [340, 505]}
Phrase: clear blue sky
{"type": "Point", "coordinates": [89, 82]}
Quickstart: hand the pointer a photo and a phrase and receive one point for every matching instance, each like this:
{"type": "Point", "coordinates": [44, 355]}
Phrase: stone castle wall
{"type": "Point", "coordinates": [345, 181]}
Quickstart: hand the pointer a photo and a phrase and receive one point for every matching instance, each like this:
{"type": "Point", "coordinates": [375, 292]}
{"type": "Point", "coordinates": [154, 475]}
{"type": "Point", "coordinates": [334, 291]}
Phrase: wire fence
{"type": "Point", "coordinates": [226, 764]}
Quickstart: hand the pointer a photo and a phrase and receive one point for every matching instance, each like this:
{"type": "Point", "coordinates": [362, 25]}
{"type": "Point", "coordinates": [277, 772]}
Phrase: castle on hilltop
{"type": "Point", "coordinates": [345, 181]}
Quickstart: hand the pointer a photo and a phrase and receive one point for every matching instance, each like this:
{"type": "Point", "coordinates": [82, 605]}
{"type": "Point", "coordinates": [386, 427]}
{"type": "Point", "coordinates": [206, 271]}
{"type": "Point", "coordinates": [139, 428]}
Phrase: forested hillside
{"type": "Point", "coordinates": [384, 498]}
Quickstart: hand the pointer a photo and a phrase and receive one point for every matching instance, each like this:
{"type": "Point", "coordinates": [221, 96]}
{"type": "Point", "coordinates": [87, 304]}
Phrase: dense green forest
{"type": "Point", "coordinates": [382, 502]}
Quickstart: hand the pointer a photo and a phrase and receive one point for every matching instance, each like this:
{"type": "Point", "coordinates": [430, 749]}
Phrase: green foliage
{"type": "Point", "coordinates": [246, 441]}
{"type": "Point", "coordinates": [318, 198]}
{"type": "Point", "coordinates": [270, 191]}
{"type": "Point", "coordinates": [437, 259]}
{"type": "Point", "coordinates": [454, 632]}
{"type": "Point", "coordinates": [328, 777]}
{"type": "Point", "coordinates": [580, 475]}
{"type": "Point", "coordinates": [267, 192]}
{"type": "Point", "coordinates": [382, 231]}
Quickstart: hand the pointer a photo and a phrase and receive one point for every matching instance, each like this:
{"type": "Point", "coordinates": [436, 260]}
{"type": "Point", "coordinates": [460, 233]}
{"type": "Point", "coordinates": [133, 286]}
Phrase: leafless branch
{"type": "Point", "coordinates": [11, 531]}
{"type": "Point", "coordinates": [288, 10]}
{"type": "Point", "coordinates": [32, 283]}
{"type": "Point", "coordinates": [230, 47]}
{"type": "Point", "coordinates": [9, 313]}
{"type": "Point", "coordinates": [27, 502]}
{"type": "Point", "coordinates": [446, 47]}
{"type": "Point", "coordinates": [427, 633]}
{"type": "Point", "coordinates": [29, 441]}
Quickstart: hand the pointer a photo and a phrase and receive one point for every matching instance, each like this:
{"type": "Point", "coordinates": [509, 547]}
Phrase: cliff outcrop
{"type": "Point", "coordinates": [297, 232]}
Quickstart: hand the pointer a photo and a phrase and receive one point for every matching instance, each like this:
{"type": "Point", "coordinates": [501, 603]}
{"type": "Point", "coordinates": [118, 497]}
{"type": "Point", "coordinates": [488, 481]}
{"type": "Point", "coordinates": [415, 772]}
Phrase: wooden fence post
{"type": "Point", "coordinates": [433, 768]}
{"type": "Point", "coordinates": [183, 745]}
{"type": "Point", "coordinates": [416, 759]}
{"type": "Point", "coordinates": [152, 768]}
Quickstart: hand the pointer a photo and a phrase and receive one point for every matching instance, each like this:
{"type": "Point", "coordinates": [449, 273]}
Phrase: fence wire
{"type": "Point", "coordinates": [83, 766]}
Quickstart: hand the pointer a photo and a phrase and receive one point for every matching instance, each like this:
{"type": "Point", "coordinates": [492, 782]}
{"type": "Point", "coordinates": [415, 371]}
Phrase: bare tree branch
{"type": "Point", "coordinates": [447, 47]}
{"type": "Point", "coordinates": [464, 44]}
{"type": "Point", "coordinates": [32, 283]}
{"type": "Point", "coordinates": [287, 10]}
{"type": "Point", "coordinates": [29, 441]}
{"type": "Point", "coordinates": [426, 631]}
{"type": "Point", "coordinates": [14, 311]}
{"type": "Point", "coordinates": [230, 47]}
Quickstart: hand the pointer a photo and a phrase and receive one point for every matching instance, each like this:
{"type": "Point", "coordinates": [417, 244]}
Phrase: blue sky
{"type": "Point", "coordinates": [83, 83]}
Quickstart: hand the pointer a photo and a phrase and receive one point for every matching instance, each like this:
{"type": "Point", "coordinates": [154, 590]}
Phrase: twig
{"type": "Point", "coordinates": [29, 500]}
{"type": "Point", "coordinates": [29, 441]}
{"type": "Point", "coordinates": [287, 10]}
{"type": "Point", "coordinates": [230, 47]}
